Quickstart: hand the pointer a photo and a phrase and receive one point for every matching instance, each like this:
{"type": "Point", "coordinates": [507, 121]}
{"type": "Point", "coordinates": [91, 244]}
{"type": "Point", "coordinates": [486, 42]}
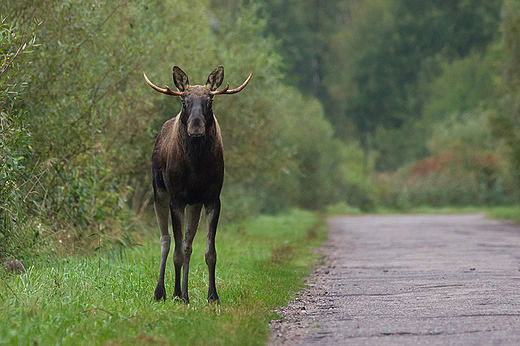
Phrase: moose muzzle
{"type": "Point", "coordinates": [196, 126]}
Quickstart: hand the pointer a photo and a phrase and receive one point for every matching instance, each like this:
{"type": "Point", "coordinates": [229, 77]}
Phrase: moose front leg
{"type": "Point", "coordinates": [212, 215]}
{"type": "Point", "coordinates": [161, 202]}
{"type": "Point", "coordinates": [192, 223]}
{"type": "Point", "coordinates": [177, 212]}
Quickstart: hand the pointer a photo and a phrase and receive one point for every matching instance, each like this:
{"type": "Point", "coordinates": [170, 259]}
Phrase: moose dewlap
{"type": "Point", "coordinates": [188, 172]}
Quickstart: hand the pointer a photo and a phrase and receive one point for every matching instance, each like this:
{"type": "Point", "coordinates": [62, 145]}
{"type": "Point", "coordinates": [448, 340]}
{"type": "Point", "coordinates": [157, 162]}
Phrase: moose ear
{"type": "Point", "coordinates": [215, 78]}
{"type": "Point", "coordinates": [180, 78]}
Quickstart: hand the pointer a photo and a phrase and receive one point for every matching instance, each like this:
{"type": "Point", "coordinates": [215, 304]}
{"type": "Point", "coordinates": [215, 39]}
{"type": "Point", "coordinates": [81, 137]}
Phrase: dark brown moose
{"type": "Point", "coordinates": [188, 172]}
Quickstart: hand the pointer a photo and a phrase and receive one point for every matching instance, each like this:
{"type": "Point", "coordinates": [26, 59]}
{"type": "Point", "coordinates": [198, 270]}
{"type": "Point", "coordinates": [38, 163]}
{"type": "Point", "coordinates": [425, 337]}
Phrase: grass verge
{"type": "Point", "coordinates": [505, 213]}
{"type": "Point", "coordinates": [511, 212]}
{"type": "Point", "coordinates": [108, 300]}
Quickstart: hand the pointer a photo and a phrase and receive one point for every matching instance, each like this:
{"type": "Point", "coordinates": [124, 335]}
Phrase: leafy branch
{"type": "Point", "coordinates": [22, 47]}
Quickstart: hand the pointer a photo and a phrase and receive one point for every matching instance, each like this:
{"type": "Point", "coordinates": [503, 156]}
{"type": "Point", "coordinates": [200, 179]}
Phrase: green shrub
{"type": "Point", "coordinates": [15, 139]}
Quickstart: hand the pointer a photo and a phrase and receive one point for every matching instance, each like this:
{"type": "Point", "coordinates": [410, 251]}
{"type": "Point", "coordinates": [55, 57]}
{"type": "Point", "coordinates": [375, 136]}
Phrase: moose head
{"type": "Point", "coordinates": [197, 100]}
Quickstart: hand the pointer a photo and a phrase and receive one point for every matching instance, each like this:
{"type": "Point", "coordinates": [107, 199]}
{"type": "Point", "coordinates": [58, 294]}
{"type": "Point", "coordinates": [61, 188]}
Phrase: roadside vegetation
{"type": "Point", "coordinates": [107, 298]}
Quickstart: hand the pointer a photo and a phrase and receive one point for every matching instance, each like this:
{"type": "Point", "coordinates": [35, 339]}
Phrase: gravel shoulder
{"type": "Point", "coordinates": [410, 280]}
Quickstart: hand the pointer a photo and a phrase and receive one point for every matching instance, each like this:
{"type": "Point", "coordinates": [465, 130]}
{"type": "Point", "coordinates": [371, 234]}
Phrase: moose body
{"type": "Point", "coordinates": [188, 173]}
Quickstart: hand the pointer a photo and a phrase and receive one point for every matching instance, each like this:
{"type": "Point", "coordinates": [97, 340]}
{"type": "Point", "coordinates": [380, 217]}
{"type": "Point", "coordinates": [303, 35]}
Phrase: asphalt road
{"type": "Point", "coordinates": [410, 280]}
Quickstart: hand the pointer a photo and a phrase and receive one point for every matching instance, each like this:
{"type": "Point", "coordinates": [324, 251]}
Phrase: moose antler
{"type": "Point", "coordinates": [232, 91]}
{"type": "Point", "coordinates": [166, 91]}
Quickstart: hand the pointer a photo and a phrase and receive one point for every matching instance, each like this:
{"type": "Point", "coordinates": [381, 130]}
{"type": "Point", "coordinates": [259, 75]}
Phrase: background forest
{"type": "Point", "coordinates": [360, 103]}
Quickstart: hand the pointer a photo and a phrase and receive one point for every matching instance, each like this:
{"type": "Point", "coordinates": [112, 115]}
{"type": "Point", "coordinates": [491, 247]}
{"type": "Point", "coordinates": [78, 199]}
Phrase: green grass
{"type": "Point", "coordinates": [437, 210]}
{"type": "Point", "coordinates": [505, 213]}
{"type": "Point", "coordinates": [499, 212]}
{"type": "Point", "coordinates": [342, 208]}
{"type": "Point", "coordinates": [108, 300]}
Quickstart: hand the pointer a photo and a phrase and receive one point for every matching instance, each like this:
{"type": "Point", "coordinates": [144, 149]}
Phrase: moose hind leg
{"type": "Point", "coordinates": [192, 220]}
{"type": "Point", "coordinates": [161, 212]}
{"type": "Point", "coordinates": [212, 215]}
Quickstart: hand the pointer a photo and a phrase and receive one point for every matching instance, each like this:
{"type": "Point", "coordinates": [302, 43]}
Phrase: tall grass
{"type": "Point", "coordinates": [108, 299]}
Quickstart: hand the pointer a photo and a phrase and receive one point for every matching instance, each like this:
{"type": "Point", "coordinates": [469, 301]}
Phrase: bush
{"type": "Point", "coordinates": [15, 139]}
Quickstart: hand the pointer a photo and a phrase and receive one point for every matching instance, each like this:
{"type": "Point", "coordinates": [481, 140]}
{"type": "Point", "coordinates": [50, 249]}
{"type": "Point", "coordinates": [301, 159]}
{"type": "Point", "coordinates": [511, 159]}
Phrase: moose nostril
{"type": "Point", "coordinates": [196, 128]}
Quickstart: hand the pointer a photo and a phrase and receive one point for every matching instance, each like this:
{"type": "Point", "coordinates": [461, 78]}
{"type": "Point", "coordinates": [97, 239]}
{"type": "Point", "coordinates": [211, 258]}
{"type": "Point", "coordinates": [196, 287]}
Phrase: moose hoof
{"type": "Point", "coordinates": [160, 293]}
{"type": "Point", "coordinates": [182, 299]}
{"type": "Point", "coordinates": [213, 298]}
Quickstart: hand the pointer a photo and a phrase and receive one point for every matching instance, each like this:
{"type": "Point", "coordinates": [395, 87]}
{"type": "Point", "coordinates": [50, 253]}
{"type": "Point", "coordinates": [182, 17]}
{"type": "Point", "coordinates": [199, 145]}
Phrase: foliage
{"type": "Point", "coordinates": [109, 299]}
{"type": "Point", "coordinates": [464, 163]}
{"type": "Point", "coordinates": [356, 176]}
{"type": "Point", "coordinates": [506, 121]}
{"type": "Point", "coordinates": [466, 168]}
{"type": "Point", "coordinates": [15, 139]}
{"type": "Point", "coordinates": [305, 30]}
{"type": "Point", "coordinates": [340, 209]}
{"type": "Point", "coordinates": [310, 136]}
{"type": "Point", "coordinates": [93, 120]}
{"type": "Point", "coordinates": [77, 94]}
{"type": "Point", "coordinates": [465, 84]}
{"type": "Point", "coordinates": [397, 146]}
{"type": "Point", "coordinates": [323, 169]}
{"type": "Point", "coordinates": [388, 50]}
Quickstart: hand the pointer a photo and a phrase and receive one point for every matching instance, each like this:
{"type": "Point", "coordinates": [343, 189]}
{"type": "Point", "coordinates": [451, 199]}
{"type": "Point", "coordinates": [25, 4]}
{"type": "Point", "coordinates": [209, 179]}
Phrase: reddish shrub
{"type": "Point", "coordinates": [431, 164]}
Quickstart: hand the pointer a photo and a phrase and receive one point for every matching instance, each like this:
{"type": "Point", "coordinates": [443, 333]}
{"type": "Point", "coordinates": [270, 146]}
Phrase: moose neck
{"type": "Point", "coordinates": [197, 146]}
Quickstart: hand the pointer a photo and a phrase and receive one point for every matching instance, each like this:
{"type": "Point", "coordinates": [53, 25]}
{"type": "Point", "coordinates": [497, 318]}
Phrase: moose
{"type": "Point", "coordinates": [188, 173]}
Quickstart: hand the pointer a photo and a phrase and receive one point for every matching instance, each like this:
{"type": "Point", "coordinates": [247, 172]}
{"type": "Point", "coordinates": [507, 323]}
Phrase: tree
{"type": "Point", "coordinates": [393, 46]}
